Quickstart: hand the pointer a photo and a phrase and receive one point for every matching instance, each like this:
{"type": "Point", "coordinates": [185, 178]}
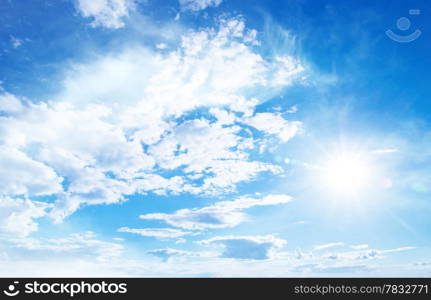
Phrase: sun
{"type": "Point", "coordinates": [346, 174]}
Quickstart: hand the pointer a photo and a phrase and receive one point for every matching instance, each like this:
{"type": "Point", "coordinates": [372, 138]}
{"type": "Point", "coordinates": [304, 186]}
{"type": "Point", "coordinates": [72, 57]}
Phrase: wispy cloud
{"type": "Point", "coordinates": [220, 215]}
{"type": "Point", "coordinates": [159, 233]}
{"type": "Point", "coordinates": [196, 5]}
{"type": "Point", "coordinates": [385, 151]}
{"type": "Point", "coordinates": [75, 246]}
{"type": "Point", "coordinates": [359, 247]}
{"type": "Point", "coordinates": [329, 245]}
{"type": "Point", "coordinates": [168, 253]}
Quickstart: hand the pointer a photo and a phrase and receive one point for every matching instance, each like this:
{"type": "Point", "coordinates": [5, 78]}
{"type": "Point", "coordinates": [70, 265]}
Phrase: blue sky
{"type": "Point", "coordinates": [214, 138]}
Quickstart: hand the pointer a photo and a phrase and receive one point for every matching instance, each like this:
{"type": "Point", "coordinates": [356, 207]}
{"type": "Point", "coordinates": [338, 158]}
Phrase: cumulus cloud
{"type": "Point", "coordinates": [246, 247]}
{"type": "Point", "coordinates": [275, 124]}
{"type": "Point", "coordinates": [17, 216]}
{"type": "Point", "coordinates": [106, 13]}
{"type": "Point", "coordinates": [100, 143]}
{"type": "Point", "coordinates": [196, 5]}
{"type": "Point", "coordinates": [220, 215]}
{"type": "Point", "coordinates": [195, 74]}
{"type": "Point", "coordinates": [22, 175]}
{"type": "Point", "coordinates": [9, 103]}
{"type": "Point", "coordinates": [210, 150]}
{"type": "Point", "coordinates": [72, 154]}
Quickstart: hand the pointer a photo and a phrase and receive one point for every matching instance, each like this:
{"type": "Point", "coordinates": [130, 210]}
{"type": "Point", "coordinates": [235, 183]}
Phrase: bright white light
{"type": "Point", "coordinates": [346, 174]}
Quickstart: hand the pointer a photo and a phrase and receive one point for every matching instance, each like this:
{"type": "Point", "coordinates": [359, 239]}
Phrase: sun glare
{"type": "Point", "coordinates": [346, 174]}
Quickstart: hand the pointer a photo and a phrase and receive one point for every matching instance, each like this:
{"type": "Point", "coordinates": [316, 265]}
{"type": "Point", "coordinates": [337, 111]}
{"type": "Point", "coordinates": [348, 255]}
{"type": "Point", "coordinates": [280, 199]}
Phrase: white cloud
{"type": "Point", "coordinates": [16, 42]}
{"type": "Point", "coordinates": [333, 269]}
{"type": "Point", "coordinates": [100, 143]}
{"type": "Point", "coordinates": [17, 216]}
{"type": "Point", "coordinates": [299, 254]}
{"type": "Point", "coordinates": [272, 123]}
{"type": "Point", "coordinates": [82, 246]}
{"type": "Point", "coordinates": [160, 185]}
{"type": "Point", "coordinates": [359, 247]}
{"type": "Point", "coordinates": [20, 175]}
{"type": "Point", "coordinates": [75, 144]}
{"type": "Point", "coordinates": [196, 5]}
{"type": "Point", "coordinates": [9, 103]}
{"type": "Point", "coordinates": [246, 247]}
{"type": "Point", "coordinates": [58, 130]}
{"type": "Point", "coordinates": [72, 257]}
{"type": "Point", "coordinates": [209, 149]}
{"type": "Point", "coordinates": [286, 69]}
{"type": "Point", "coordinates": [223, 117]}
{"type": "Point", "coordinates": [106, 13]}
{"type": "Point", "coordinates": [161, 46]}
{"type": "Point", "coordinates": [195, 74]}
{"type": "Point", "coordinates": [183, 148]}
{"type": "Point", "coordinates": [329, 245]}
{"type": "Point", "coordinates": [385, 151]}
{"type": "Point", "coordinates": [400, 249]}
{"type": "Point", "coordinates": [168, 253]}
{"type": "Point", "coordinates": [293, 109]}
{"type": "Point", "coordinates": [159, 233]}
{"type": "Point", "coordinates": [220, 215]}
{"type": "Point", "coordinates": [363, 253]}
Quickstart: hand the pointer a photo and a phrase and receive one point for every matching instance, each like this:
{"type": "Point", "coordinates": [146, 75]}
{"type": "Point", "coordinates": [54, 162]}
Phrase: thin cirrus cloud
{"type": "Point", "coordinates": [159, 233]}
{"type": "Point", "coordinates": [329, 245]}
